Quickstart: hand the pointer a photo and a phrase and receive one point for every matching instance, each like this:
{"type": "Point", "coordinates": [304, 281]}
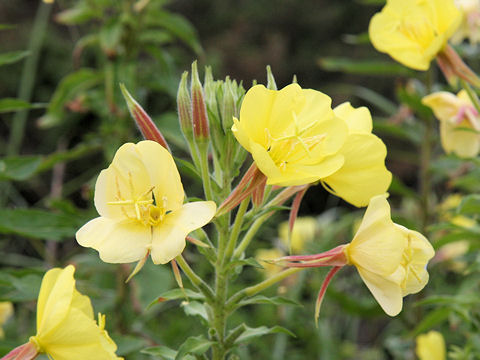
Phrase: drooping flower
{"type": "Point", "coordinates": [292, 134]}
{"type": "Point", "coordinates": [302, 233]}
{"type": "Point", "coordinates": [413, 32]}
{"type": "Point", "coordinates": [459, 122]}
{"type": "Point", "coordinates": [470, 25]}
{"type": "Point", "coordinates": [140, 201]}
{"type": "Point", "coordinates": [390, 258]}
{"type": "Point", "coordinates": [431, 346]}
{"type": "Point", "coordinates": [66, 328]}
{"type": "Point", "coordinates": [363, 173]}
{"type": "Point", "coordinates": [6, 311]}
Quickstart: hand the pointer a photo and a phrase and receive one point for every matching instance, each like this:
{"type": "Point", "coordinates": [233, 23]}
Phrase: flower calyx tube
{"type": "Point", "coordinates": [199, 110]}
{"type": "Point", "coordinates": [454, 67]}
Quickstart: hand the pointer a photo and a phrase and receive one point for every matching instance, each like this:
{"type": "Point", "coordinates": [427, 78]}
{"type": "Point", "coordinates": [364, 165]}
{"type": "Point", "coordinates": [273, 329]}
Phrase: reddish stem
{"type": "Point", "coordinates": [323, 289]}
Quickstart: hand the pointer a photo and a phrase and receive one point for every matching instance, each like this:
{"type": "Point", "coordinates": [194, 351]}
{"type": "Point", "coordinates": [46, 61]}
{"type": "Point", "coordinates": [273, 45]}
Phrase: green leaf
{"type": "Point", "coordinates": [163, 352]}
{"type": "Point", "coordinates": [19, 167]}
{"type": "Point", "coordinates": [196, 345]}
{"type": "Point", "coordinates": [252, 333]}
{"type": "Point", "coordinates": [12, 104]}
{"type": "Point", "coordinates": [77, 15]}
{"type": "Point", "coordinates": [249, 261]}
{"type": "Point", "coordinates": [470, 204]}
{"type": "Point", "coordinates": [178, 26]}
{"type": "Point", "coordinates": [194, 308]}
{"type": "Point", "coordinates": [38, 224]}
{"type": "Point", "coordinates": [176, 294]}
{"type": "Point", "coordinates": [7, 26]}
{"type": "Point", "coordinates": [19, 287]}
{"type": "Point", "coordinates": [463, 299]}
{"type": "Point", "coordinates": [433, 318]}
{"type": "Point", "coordinates": [13, 57]}
{"type": "Point", "coordinates": [69, 87]}
{"type": "Point", "coordinates": [363, 67]}
{"type": "Point", "coordinates": [276, 300]}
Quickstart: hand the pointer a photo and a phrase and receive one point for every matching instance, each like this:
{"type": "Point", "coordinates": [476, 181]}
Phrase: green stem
{"type": "Point", "coordinates": [237, 226]}
{"type": "Point", "coordinates": [255, 289]}
{"type": "Point", "coordinates": [471, 94]}
{"type": "Point", "coordinates": [250, 234]}
{"type": "Point", "coordinates": [204, 170]}
{"type": "Point", "coordinates": [194, 278]}
{"type": "Point", "coordinates": [29, 72]}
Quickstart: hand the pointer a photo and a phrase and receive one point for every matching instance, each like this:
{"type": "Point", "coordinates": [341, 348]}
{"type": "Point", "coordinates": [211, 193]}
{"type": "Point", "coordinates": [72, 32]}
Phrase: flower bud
{"type": "Point", "coordinates": [271, 84]}
{"type": "Point", "coordinates": [184, 105]}
{"type": "Point", "coordinates": [146, 125]}
{"type": "Point", "coordinates": [199, 110]}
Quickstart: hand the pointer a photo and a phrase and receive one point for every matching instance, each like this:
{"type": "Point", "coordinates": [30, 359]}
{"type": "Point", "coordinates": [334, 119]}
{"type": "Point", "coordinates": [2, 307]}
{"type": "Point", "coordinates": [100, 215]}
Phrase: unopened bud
{"type": "Point", "coordinates": [146, 125]}
{"type": "Point", "coordinates": [228, 105]}
{"type": "Point", "coordinates": [271, 84]}
{"type": "Point", "coordinates": [199, 110]}
{"type": "Point", "coordinates": [184, 105]}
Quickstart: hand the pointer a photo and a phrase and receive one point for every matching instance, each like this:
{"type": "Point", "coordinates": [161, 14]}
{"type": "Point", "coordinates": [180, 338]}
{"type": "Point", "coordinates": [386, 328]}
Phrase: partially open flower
{"type": "Point", "coordinates": [431, 346]}
{"type": "Point", "coordinates": [470, 25]}
{"type": "Point", "coordinates": [413, 32]}
{"type": "Point", "coordinates": [459, 122]}
{"type": "Point", "coordinates": [140, 201]}
{"type": "Point", "coordinates": [66, 328]}
{"type": "Point", "coordinates": [390, 258]}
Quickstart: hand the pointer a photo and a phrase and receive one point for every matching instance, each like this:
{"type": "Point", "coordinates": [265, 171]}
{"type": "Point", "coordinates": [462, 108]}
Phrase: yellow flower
{"type": "Point", "coordinates": [140, 201]}
{"type": "Point", "coordinates": [459, 122]}
{"type": "Point", "coordinates": [66, 328]}
{"type": "Point", "coordinates": [363, 174]}
{"type": "Point", "coordinates": [292, 134]}
{"type": "Point", "coordinates": [413, 32]}
{"type": "Point", "coordinates": [303, 231]}
{"type": "Point", "coordinates": [390, 258]}
{"type": "Point", "coordinates": [470, 25]}
{"type": "Point", "coordinates": [431, 346]}
{"type": "Point", "coordinates": [6, 311]}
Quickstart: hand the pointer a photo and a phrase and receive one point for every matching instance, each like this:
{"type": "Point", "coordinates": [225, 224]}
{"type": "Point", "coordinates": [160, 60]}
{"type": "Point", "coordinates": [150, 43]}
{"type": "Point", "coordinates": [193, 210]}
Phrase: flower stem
{"type": "Point", "coordinates": [250, 234]}
{"type": "Point", "coordinates": [471, 94]}
{"type": "Point", "coordinates": [237, 226]}
{"type": "Point", "coordinates": [207, 184]}
{"type": "Point", "coordinates": [194, 278]}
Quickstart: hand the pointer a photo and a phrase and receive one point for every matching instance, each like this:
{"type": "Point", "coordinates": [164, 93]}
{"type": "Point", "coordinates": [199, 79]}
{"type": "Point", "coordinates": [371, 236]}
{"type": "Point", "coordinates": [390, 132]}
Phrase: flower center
{"type": "Point", "coordinates": [292, 147]}
{"type": "Point", "coordinates": [408, 265]}
{"type": "Point", "coordinates": [142, 207]}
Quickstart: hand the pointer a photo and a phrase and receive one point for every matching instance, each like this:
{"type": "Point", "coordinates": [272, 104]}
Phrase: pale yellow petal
{"type": "Point", "coordinates": [241, 134]}
{"type": "Point", "coordinates": [358, 120]}
{"type": "Point", "coordinates": [54, 300]}
{"type": "Point", "coordinates": [378, 244]}
{"type": "Point", "coordinates": [463, 143]}
{"type": "Point", "coordinates": [288, 102]}
{"type": "Point", "coordinates": [6, 310]}
{"type": "Point", "coordinates": [116, 241]}
{"type": "Point", "coordinates": [445, 105]}
{"type": "Point", "coordinates": [125, 179]}
{"type": "Point", "coordinates": [387, 293]}
{"type": "Point", "coordinates": [363, 174]}
{"type": "Point", "coordinates": [164, 175]}
{"type": "Point", "coordinates": [431, 346]}
{"type": "Point", "coordinates": [169, 235]}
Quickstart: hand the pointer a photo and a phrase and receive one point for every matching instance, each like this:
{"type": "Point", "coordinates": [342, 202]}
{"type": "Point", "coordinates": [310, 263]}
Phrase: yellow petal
{"type": "Point", "coordinates": [116, 241]}
{"type": "Point", "coordinates": [163, 173]}
{"type": "Point", "coordinates": [358, 120]}
{"type": "Point", "coordinates": [378, 244]}
{"type": "Point", "coordinates": [6, 310]}
{"type": "Point", "coordinates": [241, 134]}
{"type": "Point", "coordinates": [431, 346]}
{"type": "Point", "coordinates": [387, 293]}
{"type": "Point", "coordinates": [54, 300]}
{"type": "Point", "coordinates": [125, 179]}
{"type": "Point", "coordinates": [463, 143]}
{"type": "Point", "coordinates": [169, 235]}
{"type": "Point", "coordinates": [255, 112]}
{"type": "Point", "coordinates": [445, 105]}
{"type": "Point", "coordinates": [363, 174]}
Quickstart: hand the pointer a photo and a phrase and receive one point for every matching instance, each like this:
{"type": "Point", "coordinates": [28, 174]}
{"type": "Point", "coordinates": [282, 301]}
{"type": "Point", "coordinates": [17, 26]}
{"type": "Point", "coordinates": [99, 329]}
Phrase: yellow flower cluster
{"type": "Point", "coordinates": [296, 138]}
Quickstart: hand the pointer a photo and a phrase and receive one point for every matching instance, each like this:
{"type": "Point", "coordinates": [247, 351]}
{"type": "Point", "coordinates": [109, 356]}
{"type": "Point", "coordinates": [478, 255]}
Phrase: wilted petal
{"type": "Point", "coordinates": [169, 236]}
